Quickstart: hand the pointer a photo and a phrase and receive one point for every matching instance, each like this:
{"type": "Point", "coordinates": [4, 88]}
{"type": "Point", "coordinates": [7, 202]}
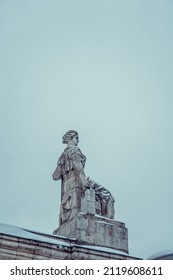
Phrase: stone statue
{"type": "Point", "coordinates": [74, 182]}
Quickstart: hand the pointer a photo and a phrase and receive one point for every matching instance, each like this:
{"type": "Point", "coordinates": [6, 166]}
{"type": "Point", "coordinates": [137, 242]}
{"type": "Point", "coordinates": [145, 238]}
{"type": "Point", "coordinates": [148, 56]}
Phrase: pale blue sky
{"type": "Point", "coordinates": [103, 68]}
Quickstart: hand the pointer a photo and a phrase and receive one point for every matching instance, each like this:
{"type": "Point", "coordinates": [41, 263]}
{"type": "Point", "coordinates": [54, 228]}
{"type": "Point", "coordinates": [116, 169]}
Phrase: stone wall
{"type": "Point", "coordinates": [20, 244]}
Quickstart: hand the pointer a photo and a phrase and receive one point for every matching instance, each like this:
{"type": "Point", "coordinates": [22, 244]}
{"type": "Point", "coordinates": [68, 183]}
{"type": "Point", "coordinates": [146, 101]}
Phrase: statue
{"type": "Point", "coordinates": [74, 182]}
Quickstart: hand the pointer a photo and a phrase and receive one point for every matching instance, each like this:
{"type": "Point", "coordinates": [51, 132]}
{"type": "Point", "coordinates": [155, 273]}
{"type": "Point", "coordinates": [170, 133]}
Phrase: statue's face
{"type": "Point", "coordinates": [76, 140]}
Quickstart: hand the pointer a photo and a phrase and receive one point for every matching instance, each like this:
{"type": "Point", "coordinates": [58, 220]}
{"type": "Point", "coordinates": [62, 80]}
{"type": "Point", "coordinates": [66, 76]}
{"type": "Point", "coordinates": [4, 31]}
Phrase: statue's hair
{"type": "Point", "coordinates": [68, 136]}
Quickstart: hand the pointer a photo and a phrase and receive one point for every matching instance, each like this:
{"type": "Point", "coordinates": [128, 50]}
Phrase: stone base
{"type": "Point", "coordinates": [21, 244]}
{"type": "Point", "coordinates": [95, 230]}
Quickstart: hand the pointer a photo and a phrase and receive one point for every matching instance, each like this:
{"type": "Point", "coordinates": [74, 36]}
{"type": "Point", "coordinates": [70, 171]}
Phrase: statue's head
{"type": "Point", "coordinates": [69, 135]}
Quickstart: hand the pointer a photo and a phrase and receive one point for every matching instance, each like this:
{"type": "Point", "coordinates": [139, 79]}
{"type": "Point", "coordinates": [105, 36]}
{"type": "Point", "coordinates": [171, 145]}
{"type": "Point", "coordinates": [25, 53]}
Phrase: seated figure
{"type": "Point", "coordinates": [74, 182]}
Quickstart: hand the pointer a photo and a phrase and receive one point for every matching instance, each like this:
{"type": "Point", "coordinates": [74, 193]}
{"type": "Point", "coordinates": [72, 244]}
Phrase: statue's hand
{"type": "Point", "coordinates": [57, 174]}
{"type": "Point", "coordinates": [54, 177]}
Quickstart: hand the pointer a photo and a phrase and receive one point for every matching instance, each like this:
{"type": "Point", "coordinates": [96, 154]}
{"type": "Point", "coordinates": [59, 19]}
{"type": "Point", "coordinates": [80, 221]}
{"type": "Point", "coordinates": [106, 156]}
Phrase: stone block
{"type": "Point", "coordinates": [22, 255]}
{"type": "Point", "coordinates": [40, 257]}
{"type": "Point", "coordinates": [82, 223]}
{"type": "Point", "coordinates": [7, 256]}
{"type": "Point", "coordinates": [88, 202]}
{"type": "Point", "coordinates": [96, 230]}
{"type": "Point", "coordinates": [100, 239]}
{"type": "Point", "coordinates": [12, 253]}
{"type": "Point", "coordinates": [43, 251]}
{"type": "Point", "coordinates": [60, 255]}
{"type": "Point", "coordinates": [9, 243]}
{"type": "Point", "coordinates": [28, 248]}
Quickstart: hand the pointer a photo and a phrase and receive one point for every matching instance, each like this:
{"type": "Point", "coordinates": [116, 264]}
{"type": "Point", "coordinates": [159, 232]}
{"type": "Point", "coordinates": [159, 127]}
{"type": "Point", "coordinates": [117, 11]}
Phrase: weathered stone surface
{"type": "Point", "coordinates": [57, 247]}
{"type": "Point", "coordinates": [96, 230]}
{"type": "Point", "coordinates": [88, 202]}
{"type": "Point", "coordinates": [80, 253]}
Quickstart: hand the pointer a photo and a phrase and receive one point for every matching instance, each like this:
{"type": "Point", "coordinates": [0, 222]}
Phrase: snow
{"type": "Point", "coordinates": [168, 254]}
{"type": "Point", "coordinates": [22, 233]}
{"type": "Point", "coordinates": [99, 216]}
{"type": "Point", "coordinates": [103, 222]}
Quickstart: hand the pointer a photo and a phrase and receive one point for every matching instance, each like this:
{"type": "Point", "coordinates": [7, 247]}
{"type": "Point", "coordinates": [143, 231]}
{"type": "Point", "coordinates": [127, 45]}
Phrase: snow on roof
{"type": "Point", "coordinates": [168, 254]}
{"type": "Point", "coordinates": [22, 233]}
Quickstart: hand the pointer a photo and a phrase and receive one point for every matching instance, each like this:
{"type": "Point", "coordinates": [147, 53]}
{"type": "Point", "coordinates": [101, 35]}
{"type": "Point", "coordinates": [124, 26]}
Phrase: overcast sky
{"type": "Point", "coordinates": [105, 69]}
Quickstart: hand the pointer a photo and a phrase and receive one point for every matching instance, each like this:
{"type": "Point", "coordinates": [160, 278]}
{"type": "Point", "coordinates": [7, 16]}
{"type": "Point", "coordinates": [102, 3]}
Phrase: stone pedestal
{"type": "Point", "coordinates": [96, 230]}
{"type": "Point", "coordinates": [89, 228]}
